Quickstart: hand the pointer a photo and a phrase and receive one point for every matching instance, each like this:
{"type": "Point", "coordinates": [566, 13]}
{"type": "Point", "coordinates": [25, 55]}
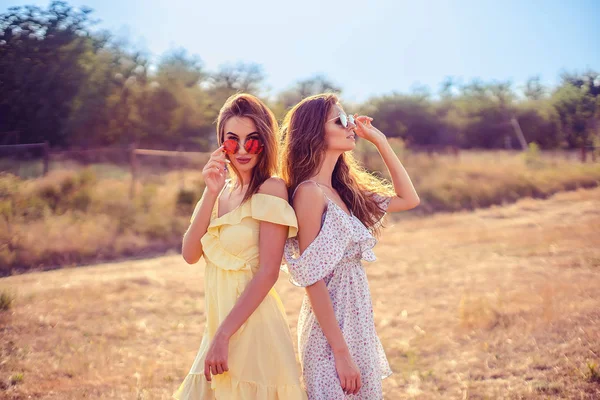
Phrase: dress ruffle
{"type": "Point", "coordinates": [320, 258]}
{"type": "Point", "coordinates": [261, 207]}
{"type": "Point", "coordinates": [196, 387]}
{"type": "Point", "coordinates": [262, 363]}
{"type": "Point", "coordinates": [335, 256]}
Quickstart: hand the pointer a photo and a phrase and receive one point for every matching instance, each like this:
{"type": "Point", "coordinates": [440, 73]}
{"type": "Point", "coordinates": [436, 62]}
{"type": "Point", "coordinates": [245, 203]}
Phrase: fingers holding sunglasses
{"type": "Point", "coordinates": [361, 129]}
{"type": "Point", "coordinates": [218, 165]}
{"type": "Point", "coordinates": [213, 163]}
{"type": "Point", "coordinates": [217, 151]}
{"type": "Point", "coordinates": [221, 158]}
{"type": "Point", "coordinates": [363, 118]}
{"type": "Point", "coordinates": [214, 176]}
{"type": "Point", "coordinates": [219, 155]}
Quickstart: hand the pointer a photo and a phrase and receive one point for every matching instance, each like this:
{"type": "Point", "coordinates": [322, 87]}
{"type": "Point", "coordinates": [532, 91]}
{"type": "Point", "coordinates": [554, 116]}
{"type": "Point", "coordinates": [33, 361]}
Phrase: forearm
{"type": "Point", "coordinates": [402, 184]}
{"type": "Point", "coordinates": [252, 296]}
{"type": "Point", "coordinates": [192, 247]}
{"type": "Point", "coordinates": [323, 309]}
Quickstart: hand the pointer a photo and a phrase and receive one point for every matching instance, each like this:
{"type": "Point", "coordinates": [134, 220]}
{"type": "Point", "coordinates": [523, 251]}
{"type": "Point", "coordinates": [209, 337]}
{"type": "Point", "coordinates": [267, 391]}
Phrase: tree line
{"type": "Point", "coordinates": [63, 82]}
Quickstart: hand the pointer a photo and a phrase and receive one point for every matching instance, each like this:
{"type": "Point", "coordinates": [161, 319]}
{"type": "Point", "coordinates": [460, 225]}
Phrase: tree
{"type": "Point", "coordinates": [534, 90]}
{"type": "Point", "coordinates": [412, 118]}
{"type": "Point", "coordinates": [177, 66]}
{"type": "Point", "coordinates": [240, 77]}
{"type": "Point", "coordinates": [106, 109]}
{"type": "Point", "coordinates": [304, 88]}
{"type": "Point", "coordinates": [576, 107]}
{"type": "Point", "coordinates": [40, 70]}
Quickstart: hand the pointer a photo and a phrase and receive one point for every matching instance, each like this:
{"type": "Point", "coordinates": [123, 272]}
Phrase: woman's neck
{"type": "Point", "coordinates": [325, 173]}
{"type": "Point", "coordinates": [241, 184]}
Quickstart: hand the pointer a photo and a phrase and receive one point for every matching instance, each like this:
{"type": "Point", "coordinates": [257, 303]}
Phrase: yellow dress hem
{"type": "Point", "coordinates": [196, 387]}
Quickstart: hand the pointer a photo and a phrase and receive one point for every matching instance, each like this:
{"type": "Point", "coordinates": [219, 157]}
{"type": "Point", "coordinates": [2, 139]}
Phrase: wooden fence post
{"type": "Point", "coordinates": [133, 168]}
{"type": "Point", "coordinates": [180, 167]}
{"type": "Point", "coordinates": [456, 152]}
{"type": "Point", "coordinates": [519, 133]}
{"type": "Point", "coordinates": [46, 157]}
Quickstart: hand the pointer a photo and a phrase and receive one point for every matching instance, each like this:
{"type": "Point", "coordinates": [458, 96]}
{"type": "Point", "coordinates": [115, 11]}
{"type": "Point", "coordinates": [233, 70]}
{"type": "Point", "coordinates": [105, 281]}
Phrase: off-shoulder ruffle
{"type": "Point", "coordinates": [322, 256]}
{"type": "Point", "coordinates": [262, 207]}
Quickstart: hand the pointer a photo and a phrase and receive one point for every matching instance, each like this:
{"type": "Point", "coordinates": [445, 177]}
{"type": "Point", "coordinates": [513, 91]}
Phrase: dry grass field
{"type": "Point", "coordinates": [76, 216]}
{"type": "Point", "coordinates": [499, 303]}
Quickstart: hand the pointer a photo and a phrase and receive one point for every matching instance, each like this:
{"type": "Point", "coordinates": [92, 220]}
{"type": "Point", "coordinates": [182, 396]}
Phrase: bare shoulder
{"type": "Point", "coordinates": [307, 199]}
{"type": "Point", "coordinates": [274, 186]}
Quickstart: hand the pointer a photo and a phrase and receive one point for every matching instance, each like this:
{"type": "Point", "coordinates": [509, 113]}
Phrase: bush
{"type": "Point", "coordinates": [532, 156]}
{"type": "Point", "coordinates": [6, 300]}
{"type": "Point", "coordinates": [186, 201]}
{"type": "Point", "coordinates": [92, 220]}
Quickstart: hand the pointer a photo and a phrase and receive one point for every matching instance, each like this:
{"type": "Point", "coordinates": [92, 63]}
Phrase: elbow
{"type": "Point", "coordinates": [270, 277]}
{"type": "Point", "coordinates": [411, 201]}
{"type": "Point", "coordinates": [416, 202]}
{"type": "Point", "coordinates": [189, 258]}
{"type": "Point", "coordinates": [190, 255]}
{"type": "Point", "coordinates": [274, 277]}
{"type": "Point", "coordinates": [407, 203]}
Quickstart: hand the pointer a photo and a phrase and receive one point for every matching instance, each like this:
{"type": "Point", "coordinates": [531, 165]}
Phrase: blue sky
{"type": "Point", "coordinates": [369, 47]}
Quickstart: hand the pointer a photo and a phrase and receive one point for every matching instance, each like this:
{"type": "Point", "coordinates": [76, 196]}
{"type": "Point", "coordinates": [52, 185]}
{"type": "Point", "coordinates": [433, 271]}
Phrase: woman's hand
{"type": "Point", "coordinates": [365, 130]}
{"type": "Point", "coordinates": [215, 170]}
{"type": "Point", "coordinates": [348, 373]}
{"type": "Point", "coordinates": [215, 362]}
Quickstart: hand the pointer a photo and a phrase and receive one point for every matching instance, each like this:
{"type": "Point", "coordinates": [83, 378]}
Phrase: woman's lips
{"type": "Point", "coordinates": [243, 160]}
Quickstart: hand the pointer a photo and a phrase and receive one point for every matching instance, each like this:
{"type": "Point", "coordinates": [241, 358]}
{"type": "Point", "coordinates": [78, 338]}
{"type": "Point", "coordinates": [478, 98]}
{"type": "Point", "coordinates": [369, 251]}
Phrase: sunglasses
{"type": "Point", "coordinates": [344, 119]}
{"type": "Point", "coordinates": [252, 146]}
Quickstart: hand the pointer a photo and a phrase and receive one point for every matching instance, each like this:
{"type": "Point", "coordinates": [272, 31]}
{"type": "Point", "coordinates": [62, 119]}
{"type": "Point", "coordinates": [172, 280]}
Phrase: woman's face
{"type": "Point", "coordinates": [336, 136]}
{"type": "Point", "coordinates": [242, 129]}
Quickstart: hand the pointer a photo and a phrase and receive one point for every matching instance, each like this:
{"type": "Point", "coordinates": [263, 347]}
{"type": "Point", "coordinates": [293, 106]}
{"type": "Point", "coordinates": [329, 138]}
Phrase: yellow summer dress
{"type": "Point", "coordinates": [262, 363]}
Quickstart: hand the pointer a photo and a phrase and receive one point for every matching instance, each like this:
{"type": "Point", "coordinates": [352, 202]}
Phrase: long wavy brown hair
{"type": "Point", "coordinates": [249, 106]}
{"type": "Point", "coordinates": [303, 151]}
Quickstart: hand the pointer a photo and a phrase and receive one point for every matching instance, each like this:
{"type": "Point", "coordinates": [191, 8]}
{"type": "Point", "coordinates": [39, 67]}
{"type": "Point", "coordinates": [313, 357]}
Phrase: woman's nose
{"type": "Point", "coordinates": [242, 149]}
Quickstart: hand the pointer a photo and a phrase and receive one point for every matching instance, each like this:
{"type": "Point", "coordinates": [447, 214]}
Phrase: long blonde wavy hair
{"type": "Point", "coordinates": [302, 153]}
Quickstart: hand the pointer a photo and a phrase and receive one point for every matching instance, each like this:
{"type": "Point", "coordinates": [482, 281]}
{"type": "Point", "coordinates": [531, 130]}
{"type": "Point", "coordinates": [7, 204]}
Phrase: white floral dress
{"type": "Point", "coordinates": [335, 256]}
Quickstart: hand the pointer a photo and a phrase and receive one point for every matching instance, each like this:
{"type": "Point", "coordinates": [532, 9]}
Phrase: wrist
{"type": "Point", "coordinates": [380, 141]}
{"type": "Point", "coordinates": [340, 351]}
{"type": "Point", "coordinates": [222, 335]}
{"type": "Point", "coordinates": [211, 195]}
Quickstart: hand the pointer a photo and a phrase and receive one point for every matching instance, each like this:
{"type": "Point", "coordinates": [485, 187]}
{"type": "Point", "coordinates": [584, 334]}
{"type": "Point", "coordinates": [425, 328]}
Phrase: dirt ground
{"type": "Point", "coordinates": [502, 303]}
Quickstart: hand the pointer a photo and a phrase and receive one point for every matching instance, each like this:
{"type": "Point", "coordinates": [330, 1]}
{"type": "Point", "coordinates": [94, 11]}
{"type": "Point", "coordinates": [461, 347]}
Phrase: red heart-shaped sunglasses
{"type": "Point", "coordinates": [252, 146]}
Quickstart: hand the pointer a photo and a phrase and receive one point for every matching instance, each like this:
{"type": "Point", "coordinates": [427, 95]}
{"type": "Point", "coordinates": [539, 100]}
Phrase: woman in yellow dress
{"type": "Point", "coordinates": [240, 226]}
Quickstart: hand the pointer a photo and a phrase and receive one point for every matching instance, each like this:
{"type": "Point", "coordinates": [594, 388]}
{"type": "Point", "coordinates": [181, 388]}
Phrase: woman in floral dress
{"type": "Point", "coordinates": [339, 207]}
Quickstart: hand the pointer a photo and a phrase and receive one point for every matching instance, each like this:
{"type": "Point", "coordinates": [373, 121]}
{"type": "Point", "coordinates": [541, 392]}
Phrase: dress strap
{"type": "Point", "coordinates": [224, 187]}
{"type": "Point", "coordinates": [322, 191]}
{"type": "Point", "coordinates": [310, 180]}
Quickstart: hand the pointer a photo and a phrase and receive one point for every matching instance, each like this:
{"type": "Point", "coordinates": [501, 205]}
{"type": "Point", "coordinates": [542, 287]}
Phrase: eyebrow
{"type": "Point", "coordinates": [233, 134]}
